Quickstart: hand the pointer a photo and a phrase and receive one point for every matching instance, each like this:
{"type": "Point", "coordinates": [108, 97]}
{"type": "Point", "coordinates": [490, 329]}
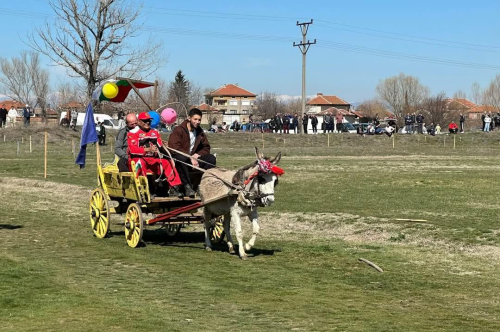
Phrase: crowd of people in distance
{"type": "Point", "coordinates": [12, 115]}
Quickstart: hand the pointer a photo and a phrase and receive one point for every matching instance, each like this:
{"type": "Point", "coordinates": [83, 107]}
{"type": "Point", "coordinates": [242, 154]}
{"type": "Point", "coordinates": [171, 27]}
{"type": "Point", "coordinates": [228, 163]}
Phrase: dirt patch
{"type": "Point", "coordinates": [364, 230]}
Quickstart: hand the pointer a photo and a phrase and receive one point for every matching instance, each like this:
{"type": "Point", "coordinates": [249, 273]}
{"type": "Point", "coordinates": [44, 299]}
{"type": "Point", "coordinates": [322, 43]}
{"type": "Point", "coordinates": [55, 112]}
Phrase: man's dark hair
{"type": "Point", "coordinates": [195, 111]}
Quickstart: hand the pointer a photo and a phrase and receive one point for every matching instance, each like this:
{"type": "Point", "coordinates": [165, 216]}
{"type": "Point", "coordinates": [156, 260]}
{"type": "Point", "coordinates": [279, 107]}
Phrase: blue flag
{"type": "Point", "coordinates": [89, 135]}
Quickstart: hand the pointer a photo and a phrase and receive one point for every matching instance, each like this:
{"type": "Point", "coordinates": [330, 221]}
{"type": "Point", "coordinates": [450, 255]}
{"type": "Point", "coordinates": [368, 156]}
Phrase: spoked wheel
{"type": "Point", "coordinates": [99, 213]}
{"type": "Point", "coordinates": [134, 225]}
{"type": "Point", "coordinates": [172, 230]}
{"type": "Point", "coordinates": [216, 230]}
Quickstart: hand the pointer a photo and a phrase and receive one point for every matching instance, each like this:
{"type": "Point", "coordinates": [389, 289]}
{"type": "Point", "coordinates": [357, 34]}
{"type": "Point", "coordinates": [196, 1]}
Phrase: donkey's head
{"type": "Point", "coordinates": [261, 177]}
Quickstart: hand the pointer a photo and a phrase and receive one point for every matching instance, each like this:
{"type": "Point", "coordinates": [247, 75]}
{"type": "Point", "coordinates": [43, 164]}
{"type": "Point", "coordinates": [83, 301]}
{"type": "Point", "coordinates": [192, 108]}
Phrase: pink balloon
{"type": "Point", "coordinates": [169, 116]}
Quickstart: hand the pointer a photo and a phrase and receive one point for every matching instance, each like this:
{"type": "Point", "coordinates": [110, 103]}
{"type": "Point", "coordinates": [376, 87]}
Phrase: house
{"type": "Point", "coordinates": [7, 104]}
{"type": "Point", "coordinates": [210, 114]}
{"type": "Point", "coordinates": [464, 106]}
{"type": "Point", "coordinates": [321, 103]}
{"type": "Point", "coordinates": [234, 102]}
{"type": "Point", "coordinates": [478, 110]}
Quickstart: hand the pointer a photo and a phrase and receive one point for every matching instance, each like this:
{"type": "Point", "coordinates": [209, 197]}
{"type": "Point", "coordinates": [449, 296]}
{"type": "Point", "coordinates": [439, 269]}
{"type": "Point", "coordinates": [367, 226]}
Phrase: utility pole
{"type": "Point", "coordinates": [304, 47]}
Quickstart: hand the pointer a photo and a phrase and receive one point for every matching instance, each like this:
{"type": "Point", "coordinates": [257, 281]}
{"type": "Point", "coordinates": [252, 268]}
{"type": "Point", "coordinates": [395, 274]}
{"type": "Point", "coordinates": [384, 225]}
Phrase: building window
{"type": "Point", "coordinates": [233, 102]}
{"type": "Point", "coordinates": [245, 103]}
{"type": "Point", "coordinates": [233, 112]}
{"type": "Point", "coordinates": [221, 102]}
{"type": "Point", "coordinates": [244, 112]}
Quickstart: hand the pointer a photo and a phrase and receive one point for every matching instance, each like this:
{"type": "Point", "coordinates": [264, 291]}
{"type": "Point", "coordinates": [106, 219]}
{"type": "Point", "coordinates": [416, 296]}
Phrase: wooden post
{"type": "Point", "coordinates": [22, 139]}
{"type": "Point", "coordinates": [263, 142]}
{"type": "Point", "coordinates": [98, 154]}
{"type": "Point", "coordinates": [444, 142]}
{"type": "Point", "coordinates": [393, 141]}
{"type": "Point", "coordinates": [45, 168]}
{"type": "Point", "coordinates": [328, 139]}
{"type": "Point", "coordinates": [454, 142]}
{"type": "Point", "coordinates": [73, 146]}
{"type": "Point", "coordinates": [30, 145]}
{"type": "Point", "coordinates": [425, 139]}
{"type": "Point", "coordinates": [284, 142]}
{"type": "Point", "coordinates": [111, 146]}
{"type": "Point", "coordinates": [4, 138]}
{"type": "Point", "coordinates": [18, 148]}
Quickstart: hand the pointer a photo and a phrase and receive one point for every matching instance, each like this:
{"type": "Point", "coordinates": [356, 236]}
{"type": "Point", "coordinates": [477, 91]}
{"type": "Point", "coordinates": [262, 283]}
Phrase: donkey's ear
{"type": "Point", "coordinates": [258, 154]}
{"type": "Point", "coordinates": [276, 159]}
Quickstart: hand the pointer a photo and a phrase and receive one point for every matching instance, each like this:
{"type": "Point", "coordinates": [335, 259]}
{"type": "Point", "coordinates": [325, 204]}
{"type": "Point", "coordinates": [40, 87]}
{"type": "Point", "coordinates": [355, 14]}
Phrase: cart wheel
{"type": "Point", "coordinates": [134, 225]}
{"type": "Point", "coordinates": [99, 213]}
{"type": "Point", "coordinates": [172, 230]}
{"type": "Point", "coordinates": [216, 230]}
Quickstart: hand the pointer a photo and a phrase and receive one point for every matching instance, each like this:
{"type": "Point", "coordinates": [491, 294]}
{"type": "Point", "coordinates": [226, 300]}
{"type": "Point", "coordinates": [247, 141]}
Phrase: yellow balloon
{"type": "Point", "coordinates": [110, 90]}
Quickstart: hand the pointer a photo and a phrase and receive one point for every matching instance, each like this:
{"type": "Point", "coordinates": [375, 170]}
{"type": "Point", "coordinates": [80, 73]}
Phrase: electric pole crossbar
{"type": "Point", "coordinates": [304, 47]}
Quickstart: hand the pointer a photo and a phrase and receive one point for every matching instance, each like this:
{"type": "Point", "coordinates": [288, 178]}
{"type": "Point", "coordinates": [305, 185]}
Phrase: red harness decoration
{"type": "Point", "coordinates": [265, 167]}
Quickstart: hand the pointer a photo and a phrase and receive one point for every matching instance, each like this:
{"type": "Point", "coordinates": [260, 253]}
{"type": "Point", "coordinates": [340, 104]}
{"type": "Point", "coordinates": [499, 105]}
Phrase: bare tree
{"type": "Point", "coordinates": [196, 96]}
{"type": "Point", "coordinates": [435, 109]}
{"type": "Point", "coordinates": [93, 40]}
{"type": "Point", "coordinates": [460, 94]}
{"type": "Point", "coordinates": [491, 95]}
{"type": "Point", "coordinates": [16, 77]}
{"type": "Point", "coordinates": [372, 107]}
{"type": "Point", "coordinates": [268, 104]}
{"type": "Point", "coordinates": [24, 78]}
{"type": "Point", "coordinates": [476, 93]}
{"type": "Point", "coordinates": [402, 93]}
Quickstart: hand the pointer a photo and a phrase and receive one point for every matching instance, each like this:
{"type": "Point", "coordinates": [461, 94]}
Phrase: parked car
{"type": "Point", "coordinates": [348, 127]}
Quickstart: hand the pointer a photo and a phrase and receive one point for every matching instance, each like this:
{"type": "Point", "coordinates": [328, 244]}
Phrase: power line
{"type": "Point", "coordinates": [227, 15]}
{"type": "Point", "coordinates": [325, 44]}
{"type": "Point", "coordinates": [336, 25]}
{"type": "Point", "coordinates": [413, 41]}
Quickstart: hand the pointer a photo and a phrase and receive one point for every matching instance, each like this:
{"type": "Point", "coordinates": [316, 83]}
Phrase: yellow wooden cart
{"type": "Point", "coordinates": [130, 194]}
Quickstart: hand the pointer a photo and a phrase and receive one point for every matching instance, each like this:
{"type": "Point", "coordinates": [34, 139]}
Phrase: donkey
{"type": "Point", "coordinates": [259, 180]}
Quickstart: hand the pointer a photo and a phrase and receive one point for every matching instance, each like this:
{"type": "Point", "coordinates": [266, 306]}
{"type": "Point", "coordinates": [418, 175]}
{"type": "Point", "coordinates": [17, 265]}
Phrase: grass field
{"type": "Point", "coordinates": [333, 206]}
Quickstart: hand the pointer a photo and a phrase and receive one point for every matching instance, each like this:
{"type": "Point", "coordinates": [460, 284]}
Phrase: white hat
{"type": "Point", "coordinates": [27, 105]}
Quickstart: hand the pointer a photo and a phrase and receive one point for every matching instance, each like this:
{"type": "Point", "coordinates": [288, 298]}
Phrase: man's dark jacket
{"type": "Point", "coordinates": [180, 141]}
{"type": "Point", "coordinates": [305, 120]}
{"type": "Point", "coordinates": [3, 113]}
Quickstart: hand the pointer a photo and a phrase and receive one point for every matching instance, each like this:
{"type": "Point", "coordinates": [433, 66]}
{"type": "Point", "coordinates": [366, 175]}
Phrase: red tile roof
{"type": "Point", "coordinates": [484, 108]}
{"type": "Point", "coordinates": [461, 102]}
{"type": "Point", "coordinates": [9, 103]}
{"type": "Point", "coordinates": [231, 90]}
{"type": "Point", "coordinates": [320, 99]}
{"type": "Point", "coordinates": [207, 108]}
{"type": "Point", "coordinates": [72, 104]}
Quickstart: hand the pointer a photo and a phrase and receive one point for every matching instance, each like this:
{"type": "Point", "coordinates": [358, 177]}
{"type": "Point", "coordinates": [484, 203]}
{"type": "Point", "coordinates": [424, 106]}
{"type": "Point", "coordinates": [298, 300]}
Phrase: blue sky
{"type": "Point", "coordinates": [228, 42]}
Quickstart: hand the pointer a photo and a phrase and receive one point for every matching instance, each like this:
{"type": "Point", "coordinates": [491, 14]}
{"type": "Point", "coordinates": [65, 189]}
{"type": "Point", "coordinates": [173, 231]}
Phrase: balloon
{"type": "Point", "coordinates": [110, 90]}
{"type": "Point", "coordinates": [155, 119]}
{"type": "Point", "coordinates": [169, 116]}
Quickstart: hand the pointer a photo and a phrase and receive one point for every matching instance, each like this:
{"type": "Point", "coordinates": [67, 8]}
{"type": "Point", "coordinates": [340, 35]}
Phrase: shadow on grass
{"type": "Point", "coordinates": [187, 239]}
{"type": "Point", "coordinates": [8, 226]}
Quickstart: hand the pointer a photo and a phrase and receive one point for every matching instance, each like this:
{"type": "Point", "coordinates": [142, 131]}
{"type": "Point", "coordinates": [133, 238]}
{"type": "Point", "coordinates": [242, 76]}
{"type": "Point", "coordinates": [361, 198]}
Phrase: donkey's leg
{"type": "Point", "coordinates": [254, 216]}
{"type": "Point", "coordinates": [227, 230]}
{"type": "Point", "coordinates": [236, 218]}
{"type": "Point", "coordinates": [207, 215]}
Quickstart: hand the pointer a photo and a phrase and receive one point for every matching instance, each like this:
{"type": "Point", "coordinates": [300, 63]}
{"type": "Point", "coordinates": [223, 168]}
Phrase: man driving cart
{"type": "Point", "coordinates": [145, 146]}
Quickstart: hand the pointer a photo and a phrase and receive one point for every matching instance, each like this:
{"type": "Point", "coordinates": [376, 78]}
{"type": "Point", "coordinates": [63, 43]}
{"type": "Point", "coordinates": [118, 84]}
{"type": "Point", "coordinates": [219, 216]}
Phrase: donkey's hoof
{"type": "Point", "coordinates": [231, 250]}
{"type": "Point", "coordinates": [208, 248]}
{"type": "Point", "coordinates": [247, 247]}
{"type": "Point", "coordinates": [244, 257]}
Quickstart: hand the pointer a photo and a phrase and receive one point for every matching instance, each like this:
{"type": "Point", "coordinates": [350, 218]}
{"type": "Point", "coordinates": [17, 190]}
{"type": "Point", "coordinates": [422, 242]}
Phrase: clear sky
{"type": "Point", "coordinates": [358, 42]}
